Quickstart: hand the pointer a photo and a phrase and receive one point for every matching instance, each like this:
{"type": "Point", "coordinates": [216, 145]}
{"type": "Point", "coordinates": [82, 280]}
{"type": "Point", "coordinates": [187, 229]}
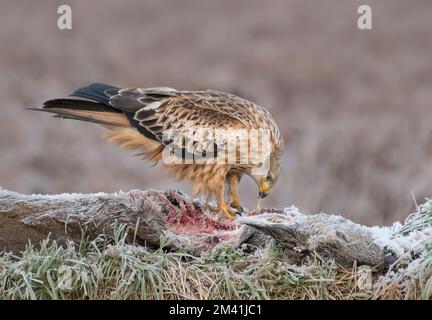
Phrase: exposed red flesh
{"type": "Point", "coordinates": [185, 216]}
{"type": "Point", "coordinates": [189, 217]}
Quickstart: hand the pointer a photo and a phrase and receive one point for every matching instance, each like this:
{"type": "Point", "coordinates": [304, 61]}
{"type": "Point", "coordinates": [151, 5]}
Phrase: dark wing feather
{"type": "Point", "coordinates": [99, 92]}
{"type": "Point", "coordinates": [171, 116]}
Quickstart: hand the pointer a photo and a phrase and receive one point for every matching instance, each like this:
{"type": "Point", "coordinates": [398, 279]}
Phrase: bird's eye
{"type": "Point", "coordinates": [269, 177]}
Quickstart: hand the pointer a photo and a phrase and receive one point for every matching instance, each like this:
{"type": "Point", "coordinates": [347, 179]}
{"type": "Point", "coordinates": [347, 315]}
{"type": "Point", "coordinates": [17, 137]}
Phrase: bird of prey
{"type": "Point", "coordinates": [164, 123]}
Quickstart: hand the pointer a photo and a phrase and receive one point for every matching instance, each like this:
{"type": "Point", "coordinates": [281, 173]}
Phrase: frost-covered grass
{"type": "Point", "coordinates": [113, 269]}
{"type": "Point", "coordinates": [411, 277]}
{"type": "Point", "coordinates": [102, 270]}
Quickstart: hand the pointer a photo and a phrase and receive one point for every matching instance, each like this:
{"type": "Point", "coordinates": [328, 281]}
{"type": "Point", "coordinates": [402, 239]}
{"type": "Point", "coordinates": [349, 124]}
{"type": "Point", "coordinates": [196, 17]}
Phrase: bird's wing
{"type": "Point", "coordinates": [185, 120]}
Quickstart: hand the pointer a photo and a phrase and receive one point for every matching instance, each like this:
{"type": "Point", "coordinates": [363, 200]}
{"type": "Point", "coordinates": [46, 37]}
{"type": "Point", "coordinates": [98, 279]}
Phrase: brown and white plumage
{"type": "Point", "coordinates": [158, 120]}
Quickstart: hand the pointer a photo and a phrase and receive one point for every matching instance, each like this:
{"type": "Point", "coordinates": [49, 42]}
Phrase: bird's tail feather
{"type": "Point", "coordinates": [98, 92]}
{"type": "Point", "coordinates": [85, 111]}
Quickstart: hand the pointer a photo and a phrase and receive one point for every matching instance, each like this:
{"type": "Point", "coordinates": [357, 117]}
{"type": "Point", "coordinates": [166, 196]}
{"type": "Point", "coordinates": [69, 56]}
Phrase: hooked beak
{"type": "Point", "coordinates": [264, 189]}
{"type": "Point", "coordinates": [262, 194]}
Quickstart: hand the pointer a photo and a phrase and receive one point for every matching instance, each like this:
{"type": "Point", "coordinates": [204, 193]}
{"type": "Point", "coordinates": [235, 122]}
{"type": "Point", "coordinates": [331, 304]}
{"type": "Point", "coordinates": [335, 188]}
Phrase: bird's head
{"type": "Point", "coordinates": [265, 185]}
{"type": "Point", "coordinates": [269, 178]}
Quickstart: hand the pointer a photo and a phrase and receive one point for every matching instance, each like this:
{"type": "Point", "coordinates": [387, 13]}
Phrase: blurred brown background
{"type": "Point", "coordinates": [354, 106]}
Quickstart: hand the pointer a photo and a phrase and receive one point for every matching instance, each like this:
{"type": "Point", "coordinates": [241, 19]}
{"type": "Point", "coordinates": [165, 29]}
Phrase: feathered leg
{"type": "Point", "coordinates": [222, 206]}
{"type": "Point", "coordinates": [233, 181]}
{"type": "Point", "coordinates": [216, 186]}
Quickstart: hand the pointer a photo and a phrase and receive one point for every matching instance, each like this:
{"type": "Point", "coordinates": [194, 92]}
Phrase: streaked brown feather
{"type": "Point", "coordinates": [130, 138]}
{"type": "Point", "coordinates": [138, 119]}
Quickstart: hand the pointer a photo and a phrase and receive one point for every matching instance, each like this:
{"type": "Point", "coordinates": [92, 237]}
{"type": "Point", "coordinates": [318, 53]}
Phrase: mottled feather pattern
{"type": "Point", "coordinates": [153, 119]}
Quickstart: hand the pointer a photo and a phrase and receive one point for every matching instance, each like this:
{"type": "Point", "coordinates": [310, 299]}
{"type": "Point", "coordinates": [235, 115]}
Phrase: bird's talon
{"type": "Point", "coordinates": [228, 212]}
{"type": "Point", "coordinates": [237, 207]}
{"type": "Point", "coordinates": [213, 208]}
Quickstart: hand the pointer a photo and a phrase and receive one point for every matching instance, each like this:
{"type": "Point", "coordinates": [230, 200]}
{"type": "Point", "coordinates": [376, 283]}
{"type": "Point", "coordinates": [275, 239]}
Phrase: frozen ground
{"type": "Point", "coordinates": [308, 260]}
{"type": "Point", "coordinates": [354, 106]}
